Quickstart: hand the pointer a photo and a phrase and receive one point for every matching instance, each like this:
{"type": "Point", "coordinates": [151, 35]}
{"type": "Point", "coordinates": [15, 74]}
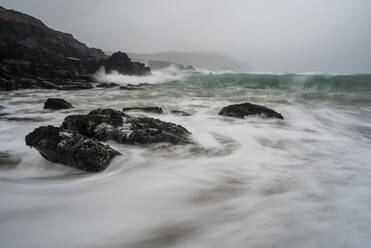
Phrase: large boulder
{"type": "Point", "coordinates": [101, 126]}
{"type": "Point", "coordinates": [70, 148]}
{"type": "Point", "coordinates": [57, 103]}
{"type": "Point", "coordinates": [145, 130]}
{"type": "Point", "coordinates": [246, 109]}
{"type": "Point", "coordinates": [108, 124]}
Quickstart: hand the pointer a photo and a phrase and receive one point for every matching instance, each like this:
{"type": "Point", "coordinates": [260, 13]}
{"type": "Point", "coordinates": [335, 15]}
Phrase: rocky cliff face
{"type": "Point", "coordinates": [31, 50]}
{"type": "Point", "coordinates": [27, 38]}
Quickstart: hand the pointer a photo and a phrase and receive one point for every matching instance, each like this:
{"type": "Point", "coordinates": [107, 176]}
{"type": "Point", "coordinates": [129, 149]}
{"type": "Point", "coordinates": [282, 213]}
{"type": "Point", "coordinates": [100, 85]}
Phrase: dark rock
{"type": "Point", "coordinates": [179, 112]}
{"type": "Point", "coordinates": [108, 124]}
{"type": "Point", "coordinates": [57, 103]}
{"type": "Point", "coordinates": [107, 112]}
{"type": "Point", "coordinates": [130, 87]}
{"type": "Point", "coordinates": [141, 84]}
{"type": "Point", "coordinates": [106, 85]}
{"type": "Point", "coordinates": [246, 109]}
{"type": "Point", "coordinates": [93, 125]}
{"type": "Point", "coordinates": [189, 68]}
{"type": "Point", "coordinates": [147, 130]}
{"type": "Point", "coordinates": [30, 83]}
{"type": "Point", "coordinates": [156, 110]}
{"type": "Point", "coordinates": [119, 62]}
{"type": "Point", "coordinates": [88, 77]}
{"type": "Point", "coordinates": [11, 118]}
{"type": "Point", "coordinates": [8, 160]}
{"type": "Point", "coordinates": [24, 37]}
{"type": "Point", "coordinates": [75, 86]}
{"type": "Point", "coordinates": [33, 56]}
{"type": "Point", "coordinates": [70, 148]}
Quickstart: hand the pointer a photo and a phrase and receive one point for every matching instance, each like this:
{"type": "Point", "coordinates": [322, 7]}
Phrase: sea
{"type": "Point", "coordinates": [304, 181]}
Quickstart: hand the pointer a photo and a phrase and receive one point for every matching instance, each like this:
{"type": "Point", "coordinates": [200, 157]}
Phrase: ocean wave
{"type": "Point", "coordinates": [314, 82]}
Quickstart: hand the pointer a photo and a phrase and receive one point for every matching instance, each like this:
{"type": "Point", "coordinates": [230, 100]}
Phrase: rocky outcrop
{"type": "Point", "coordinates": [76, 141]}
{"type": "Point", "coordinates": [57, 103]}
{"type": "Point", "coordinates": [33, 55]}
{"type": "Point", "coordinates": [156, 110]}
{"type": "Point", "coordinates": [180, 112]}
{"type": "Point", "coordinates": [39, 83]}
{"type": "Point", "coordinates": [24, 37]}
{"type": "Point", "coordinates": [108, 124]}
{"type": "Point", "coordinates": [119, 62]}
{"type": "Point", "coordinates": [246, 109]}
{"type": "Point", "coordinates": [70, 148]}
{"type": "Point", "coordinates": [190, 68]}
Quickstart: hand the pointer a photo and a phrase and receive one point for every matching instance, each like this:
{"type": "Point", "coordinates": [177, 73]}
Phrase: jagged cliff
{"type": "Point", "coordinates": [31, 50]}
{"type": "Point", "coordinates": [25, 37]}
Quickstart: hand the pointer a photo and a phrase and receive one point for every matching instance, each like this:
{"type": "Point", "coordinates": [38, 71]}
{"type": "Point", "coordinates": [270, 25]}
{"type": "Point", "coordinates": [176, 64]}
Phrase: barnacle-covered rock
{"type": "Point", "coordinates": [109, 124]}
{"type": "Point", "coordinates": [70, 148]}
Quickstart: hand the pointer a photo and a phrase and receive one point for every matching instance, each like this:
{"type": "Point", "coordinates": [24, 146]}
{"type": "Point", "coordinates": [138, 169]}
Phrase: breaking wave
{"type": "Point", "coordinates": [320, 82]}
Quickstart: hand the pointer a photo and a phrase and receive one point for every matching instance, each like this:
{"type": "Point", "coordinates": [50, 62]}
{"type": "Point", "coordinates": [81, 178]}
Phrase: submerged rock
{"type": "Point", "coordinates": [70, 148]}
{"type": "Point", "coordinates": [131, 87]}
{"type": "Point", "coordinates": [180, 112]}
{"type": "Point", "coordinates": [108, 124]}
{"type": "Point", "coordinates": [246, 109]}
{"type": "Point", "coordinates": [156, 110]}
{"type": "Point", "coordinates": [57, 103]}
{"type": "Point", "coordinates": [4, 116]}
{"type": "Point", "coordinates": [9, 160]}
{"type": "Point", "coordinates": [140, 86]}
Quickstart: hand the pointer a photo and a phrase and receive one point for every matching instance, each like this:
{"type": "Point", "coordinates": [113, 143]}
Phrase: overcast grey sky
{"type": "Point", "coordinates": [271, 35]}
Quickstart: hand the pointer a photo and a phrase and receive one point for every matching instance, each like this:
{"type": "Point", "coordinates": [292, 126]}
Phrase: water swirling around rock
{"type": "Point", "coordinates": [248, 182]}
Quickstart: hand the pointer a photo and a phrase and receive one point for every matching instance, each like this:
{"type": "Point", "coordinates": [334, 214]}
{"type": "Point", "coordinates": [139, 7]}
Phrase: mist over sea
{"type": "Point", "coordinates": [299, 182]}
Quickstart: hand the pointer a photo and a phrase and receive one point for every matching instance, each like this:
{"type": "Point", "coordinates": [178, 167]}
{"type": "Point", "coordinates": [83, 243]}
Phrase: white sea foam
{"type": "Point", "coordinates": [299, 182]}
{"type": "Point", "coordinates": [160, 76]}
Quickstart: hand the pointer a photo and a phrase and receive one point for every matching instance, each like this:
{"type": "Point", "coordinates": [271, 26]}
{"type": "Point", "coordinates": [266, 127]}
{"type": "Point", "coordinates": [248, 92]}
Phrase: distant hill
{"type": "Point", "coordinates": [206, 60]}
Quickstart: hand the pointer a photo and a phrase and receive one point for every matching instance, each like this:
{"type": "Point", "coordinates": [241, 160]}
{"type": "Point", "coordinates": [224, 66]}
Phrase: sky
{"type": "Point", "coordinates": [331, 36]}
